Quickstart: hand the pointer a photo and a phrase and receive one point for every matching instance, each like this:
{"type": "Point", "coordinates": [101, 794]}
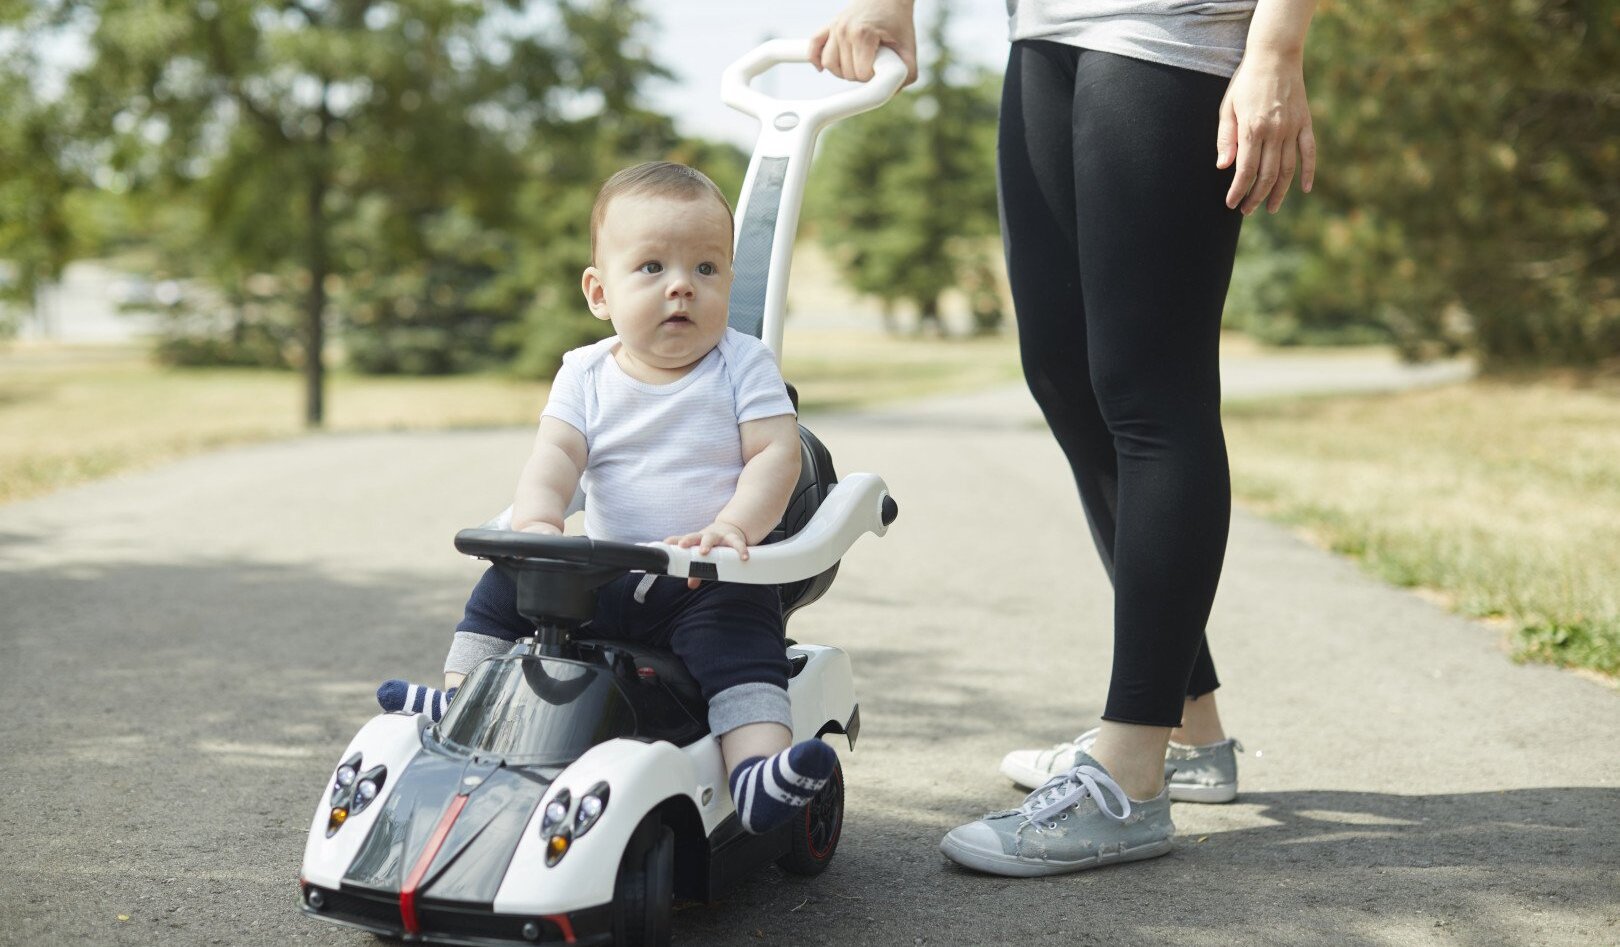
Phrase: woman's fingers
{"type": "Point", "coordinates": [818, 48]}
{"type": "Point", "coordinates": [848, 46]}
{"type": "Point", "coordinates": [1226, 138]}
{"type": "Point", "coordinates": [1265, 168]}
{"type": "Point", "coordinates": [1307, 157]}
{"type": "Point", "coordinates": [1247, 165]}
{"type": "Point", "coordinates": [1265, 176]}
{"type": "Point", "coordinates": [1285, 178]}
{"type": "Point", "coordinates": [865, 49]}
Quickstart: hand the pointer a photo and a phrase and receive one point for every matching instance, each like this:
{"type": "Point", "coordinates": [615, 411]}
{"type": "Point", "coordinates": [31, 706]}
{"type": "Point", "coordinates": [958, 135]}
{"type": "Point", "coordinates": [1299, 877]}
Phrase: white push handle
{"type": "Point", "coordinates": [773, 189]}
{"type": "Point", "coordinates": [784, 114]}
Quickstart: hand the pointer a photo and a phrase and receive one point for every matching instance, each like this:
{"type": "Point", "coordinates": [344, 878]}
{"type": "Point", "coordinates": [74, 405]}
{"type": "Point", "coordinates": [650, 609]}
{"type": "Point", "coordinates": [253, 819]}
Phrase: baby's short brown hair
{"type": "Point", "coordinates": [661, 178]}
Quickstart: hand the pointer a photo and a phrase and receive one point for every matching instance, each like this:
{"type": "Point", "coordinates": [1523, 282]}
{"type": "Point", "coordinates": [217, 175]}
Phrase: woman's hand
{"type": "Point", "coordinates": [716, 534]}
{"type": "Point", "coordinates": [848, 45]}
{"type": "Point", "coordinates": [1266, 131]}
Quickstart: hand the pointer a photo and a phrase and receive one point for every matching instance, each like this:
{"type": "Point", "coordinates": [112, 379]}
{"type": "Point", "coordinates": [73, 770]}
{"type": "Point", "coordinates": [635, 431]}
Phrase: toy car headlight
{"type": "Point", "coordinates": [591, 806]}
{"type": "Point", "coordinates": [556, 813]}
{"type": "Point", "coordinates": [367, 787]}
{"type": "Point", "coordinates": [352, 791]}
{"type": "Point", "coordinates": [344, 777]}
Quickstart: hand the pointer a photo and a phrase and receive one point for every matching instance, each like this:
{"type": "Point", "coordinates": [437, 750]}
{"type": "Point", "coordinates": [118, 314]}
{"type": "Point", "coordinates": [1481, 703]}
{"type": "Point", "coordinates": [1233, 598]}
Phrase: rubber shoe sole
{"type": "Point", "coordinates": [1010, 866]}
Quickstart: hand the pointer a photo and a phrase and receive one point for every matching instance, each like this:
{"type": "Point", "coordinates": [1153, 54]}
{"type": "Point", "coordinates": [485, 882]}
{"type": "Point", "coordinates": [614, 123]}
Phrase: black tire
{"type": "Point", "coordinates": [644, 893]}
{"type": "Point", "coordinates": [815, 834]}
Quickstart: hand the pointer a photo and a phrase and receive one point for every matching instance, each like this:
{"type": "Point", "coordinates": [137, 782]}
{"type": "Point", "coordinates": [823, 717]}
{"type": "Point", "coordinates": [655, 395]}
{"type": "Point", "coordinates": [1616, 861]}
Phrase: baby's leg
{"type": "Point", "coordinates": [730, 638]}
{"type": "Point", "coordinates": [770, 780]}
{"type": "Point", "coordinates": [754, 739]}
{"type": "Point", "coordinates": [489, 626]}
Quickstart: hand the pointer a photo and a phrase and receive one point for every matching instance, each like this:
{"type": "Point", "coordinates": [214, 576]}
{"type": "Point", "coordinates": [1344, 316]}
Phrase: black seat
{"type": "Point", "coordinates": [816, 479]}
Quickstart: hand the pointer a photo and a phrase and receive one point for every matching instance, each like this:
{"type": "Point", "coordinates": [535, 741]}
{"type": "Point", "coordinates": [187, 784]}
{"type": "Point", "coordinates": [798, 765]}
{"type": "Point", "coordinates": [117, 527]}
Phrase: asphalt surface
{"type": "Point", "coordinates": [184, 653]}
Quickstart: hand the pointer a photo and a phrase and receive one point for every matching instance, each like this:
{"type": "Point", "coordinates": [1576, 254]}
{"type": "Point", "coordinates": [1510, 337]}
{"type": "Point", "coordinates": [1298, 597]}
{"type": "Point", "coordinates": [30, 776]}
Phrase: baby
{"type": "Point", "coordinates": [680, 429]}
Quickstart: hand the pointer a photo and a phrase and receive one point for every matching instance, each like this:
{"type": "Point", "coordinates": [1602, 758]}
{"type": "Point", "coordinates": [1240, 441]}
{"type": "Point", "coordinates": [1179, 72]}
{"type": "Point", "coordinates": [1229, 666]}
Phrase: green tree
{"type": "Point", "coordinates": [610, 128]}
{"type": "Point", "coordinates": [905, 196]}
{"type": "Point", "coordinates": [38, 169]}
{"type": "Point", "coordinates": [370, 152]}
{"type": "Point", "coordinates": [1470, 190]}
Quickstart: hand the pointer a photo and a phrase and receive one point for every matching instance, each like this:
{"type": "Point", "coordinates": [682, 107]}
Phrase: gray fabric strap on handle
{"type": "Point", "coordinates": [756, 235]}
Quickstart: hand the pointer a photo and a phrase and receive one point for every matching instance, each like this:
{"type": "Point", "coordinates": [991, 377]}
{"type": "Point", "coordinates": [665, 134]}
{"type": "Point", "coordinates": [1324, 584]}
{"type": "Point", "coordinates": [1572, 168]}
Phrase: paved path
{"type": "Point", "coordinates": [184, 652]}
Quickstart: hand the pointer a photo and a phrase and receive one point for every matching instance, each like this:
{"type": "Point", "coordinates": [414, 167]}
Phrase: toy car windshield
{"type": "Point", "coordinates": [525, 708]}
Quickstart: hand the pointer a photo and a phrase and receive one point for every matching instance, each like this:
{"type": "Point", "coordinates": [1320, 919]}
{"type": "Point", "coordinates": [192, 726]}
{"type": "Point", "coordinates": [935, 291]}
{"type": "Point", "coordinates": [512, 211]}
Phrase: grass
{"type": "Point", "coordinates": [1502, 499]}
{"type": "Point", "coordinates": [70, 414]}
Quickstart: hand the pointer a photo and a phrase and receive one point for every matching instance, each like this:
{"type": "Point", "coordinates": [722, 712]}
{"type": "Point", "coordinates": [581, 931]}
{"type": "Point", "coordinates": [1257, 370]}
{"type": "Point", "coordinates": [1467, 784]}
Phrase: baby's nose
{"type": "Point", "coordinates": [680, 286]}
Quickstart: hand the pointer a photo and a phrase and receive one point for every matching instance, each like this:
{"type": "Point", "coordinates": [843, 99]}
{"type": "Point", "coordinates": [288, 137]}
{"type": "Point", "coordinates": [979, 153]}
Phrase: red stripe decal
{"type": "Point", "coordinates": [561, 920]}
{"type": "Point", "coordinates": [407, 894]}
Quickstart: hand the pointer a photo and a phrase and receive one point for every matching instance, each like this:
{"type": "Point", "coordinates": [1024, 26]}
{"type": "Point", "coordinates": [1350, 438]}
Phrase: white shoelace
{"type": "Point", "coordinates": [1065, 789]}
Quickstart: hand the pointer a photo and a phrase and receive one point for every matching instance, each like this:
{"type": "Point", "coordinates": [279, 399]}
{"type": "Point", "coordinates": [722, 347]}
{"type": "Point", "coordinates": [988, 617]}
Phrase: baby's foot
{"type": "Point", "coordinates": [770, 790]}
{"type": "Point", "coordinates": [396, 696]}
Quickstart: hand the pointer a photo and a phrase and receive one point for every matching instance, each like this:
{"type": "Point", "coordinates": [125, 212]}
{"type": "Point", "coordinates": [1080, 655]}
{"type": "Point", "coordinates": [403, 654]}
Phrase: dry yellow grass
{"type": "Point", "coordinates": [70, 414]}
{"type": "Point", "coordinates": [1504, 498]}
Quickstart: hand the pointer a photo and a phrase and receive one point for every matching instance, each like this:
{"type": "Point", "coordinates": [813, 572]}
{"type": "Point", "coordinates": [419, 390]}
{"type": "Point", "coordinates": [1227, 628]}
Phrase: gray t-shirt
{"type": "Point", "coordinates": [663, 460]}
{"type": "Point", "coordinates": [1203, 35]}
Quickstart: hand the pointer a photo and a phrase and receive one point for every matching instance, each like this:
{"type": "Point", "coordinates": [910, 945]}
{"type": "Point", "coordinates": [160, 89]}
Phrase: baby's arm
{"type": "Point", "coordinates": [771, 459]}
{"type": "Point", "coordinates": [547, 484]}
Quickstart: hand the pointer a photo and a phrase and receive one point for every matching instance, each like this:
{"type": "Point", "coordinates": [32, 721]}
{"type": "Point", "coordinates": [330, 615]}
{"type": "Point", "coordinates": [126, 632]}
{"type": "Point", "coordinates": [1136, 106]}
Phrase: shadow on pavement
{"type": "Point", "coordinates": [1512, 868]}
{"type": "Point", "coordinates": [173, 723]}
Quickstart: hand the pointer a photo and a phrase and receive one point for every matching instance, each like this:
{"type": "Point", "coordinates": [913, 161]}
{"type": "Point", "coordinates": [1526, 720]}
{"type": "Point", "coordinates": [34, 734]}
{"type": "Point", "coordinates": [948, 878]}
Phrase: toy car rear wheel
{"type": "Point", "coordinates": [815, 835]}
{"type": "Point", "coordinates": [644, 893]}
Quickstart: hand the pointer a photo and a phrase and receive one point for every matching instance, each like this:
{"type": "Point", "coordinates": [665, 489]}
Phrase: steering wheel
{"type": "Point", "coordinates": [536, 550]}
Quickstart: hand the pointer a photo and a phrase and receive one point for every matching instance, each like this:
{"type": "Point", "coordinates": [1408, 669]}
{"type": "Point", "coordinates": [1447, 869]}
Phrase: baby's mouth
{"type": "Point", "coordinates": [680, 318]}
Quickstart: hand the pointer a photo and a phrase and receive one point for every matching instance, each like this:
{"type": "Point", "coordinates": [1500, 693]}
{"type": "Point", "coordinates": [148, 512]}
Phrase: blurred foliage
{"type": "Point", "coordinates": [1469, 193]}
{"type": "Point", "coordinates": [905, 195]}
{"type": "Point", "coordinates": [38, 173]}
{"type": "Point", "coordinates": [416, 176]}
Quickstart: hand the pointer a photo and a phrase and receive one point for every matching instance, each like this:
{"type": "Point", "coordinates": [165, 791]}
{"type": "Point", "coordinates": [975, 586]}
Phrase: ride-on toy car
{"type": "Point", "coordinates": [573, 789]}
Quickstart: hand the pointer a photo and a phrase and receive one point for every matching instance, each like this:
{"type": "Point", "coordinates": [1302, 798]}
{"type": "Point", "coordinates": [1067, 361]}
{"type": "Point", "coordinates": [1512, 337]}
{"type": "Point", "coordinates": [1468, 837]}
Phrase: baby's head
{"type": "Point", "coordinates": [661, 236]}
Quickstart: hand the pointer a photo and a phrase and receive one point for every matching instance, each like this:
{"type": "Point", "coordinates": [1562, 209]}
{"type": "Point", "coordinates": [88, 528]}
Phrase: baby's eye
{"type": "Point", "coordinates": [707, 269]}
{"type": "Point", "coordinates": [651, 267]}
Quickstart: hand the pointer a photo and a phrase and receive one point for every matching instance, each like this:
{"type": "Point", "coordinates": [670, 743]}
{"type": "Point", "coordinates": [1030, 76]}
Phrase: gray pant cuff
{"type": "Point", "coordinates": [743, 704]}
{"type": "Point", "coordinates": [468, 649]}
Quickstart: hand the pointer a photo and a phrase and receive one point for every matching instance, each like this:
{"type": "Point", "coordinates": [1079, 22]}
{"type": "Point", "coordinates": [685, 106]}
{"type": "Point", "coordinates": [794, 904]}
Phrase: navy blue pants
{"type": "Point", "coordinates": [729, 635]}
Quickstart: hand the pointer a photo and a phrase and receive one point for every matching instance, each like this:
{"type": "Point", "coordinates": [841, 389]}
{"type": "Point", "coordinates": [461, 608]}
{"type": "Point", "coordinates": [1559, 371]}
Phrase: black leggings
{"type": "Point", "coordinates": [1119, 249]}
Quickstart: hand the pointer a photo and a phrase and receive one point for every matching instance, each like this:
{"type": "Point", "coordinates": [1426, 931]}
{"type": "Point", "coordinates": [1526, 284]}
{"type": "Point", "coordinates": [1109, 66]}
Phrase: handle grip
{"type": "Point", "coordinates": [736, 89]}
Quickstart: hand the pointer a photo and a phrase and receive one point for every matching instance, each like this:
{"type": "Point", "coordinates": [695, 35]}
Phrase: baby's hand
{"type": "Point", "coordinates": [544, 529]}
{"type": "Point", "coordinates": [716, 534]}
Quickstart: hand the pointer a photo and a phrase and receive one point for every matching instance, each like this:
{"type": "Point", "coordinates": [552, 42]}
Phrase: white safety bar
{"type": "Point", "coordinates": [851, 509]}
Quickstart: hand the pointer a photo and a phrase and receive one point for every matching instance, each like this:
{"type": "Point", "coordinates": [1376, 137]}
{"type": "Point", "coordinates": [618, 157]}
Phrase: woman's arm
{"type": "Point", "coordinates": [1265, 127]}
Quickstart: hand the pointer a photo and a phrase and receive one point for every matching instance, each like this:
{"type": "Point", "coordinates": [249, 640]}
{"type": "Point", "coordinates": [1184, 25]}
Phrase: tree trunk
{"type": "Point", "coordinates": [928, 317]}
{"type": "Point", "coordinates": [315, 305]}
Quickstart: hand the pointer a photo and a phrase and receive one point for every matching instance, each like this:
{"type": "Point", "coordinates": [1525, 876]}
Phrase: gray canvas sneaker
{"type": "Point", "coordinates": [1194, 773]}
{"type": "Point", "coordinates": [1078, 819]}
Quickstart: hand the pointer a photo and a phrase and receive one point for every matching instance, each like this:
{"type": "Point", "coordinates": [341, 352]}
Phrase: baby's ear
{"type": "Point", "coordinates": [590, 283]}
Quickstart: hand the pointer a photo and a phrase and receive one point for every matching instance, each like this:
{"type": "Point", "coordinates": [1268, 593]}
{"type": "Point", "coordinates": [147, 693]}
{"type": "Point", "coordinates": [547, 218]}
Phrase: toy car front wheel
{"type": "Point", "coordinates": [644, 893]}
{"type": "Point", "coordinates": [815, 836]}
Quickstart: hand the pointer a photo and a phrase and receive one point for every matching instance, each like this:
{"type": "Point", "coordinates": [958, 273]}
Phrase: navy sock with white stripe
{"type": "Point", "coordinates": [397, 696]}
{"type": "Point", "coordinates": [769, 790]}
